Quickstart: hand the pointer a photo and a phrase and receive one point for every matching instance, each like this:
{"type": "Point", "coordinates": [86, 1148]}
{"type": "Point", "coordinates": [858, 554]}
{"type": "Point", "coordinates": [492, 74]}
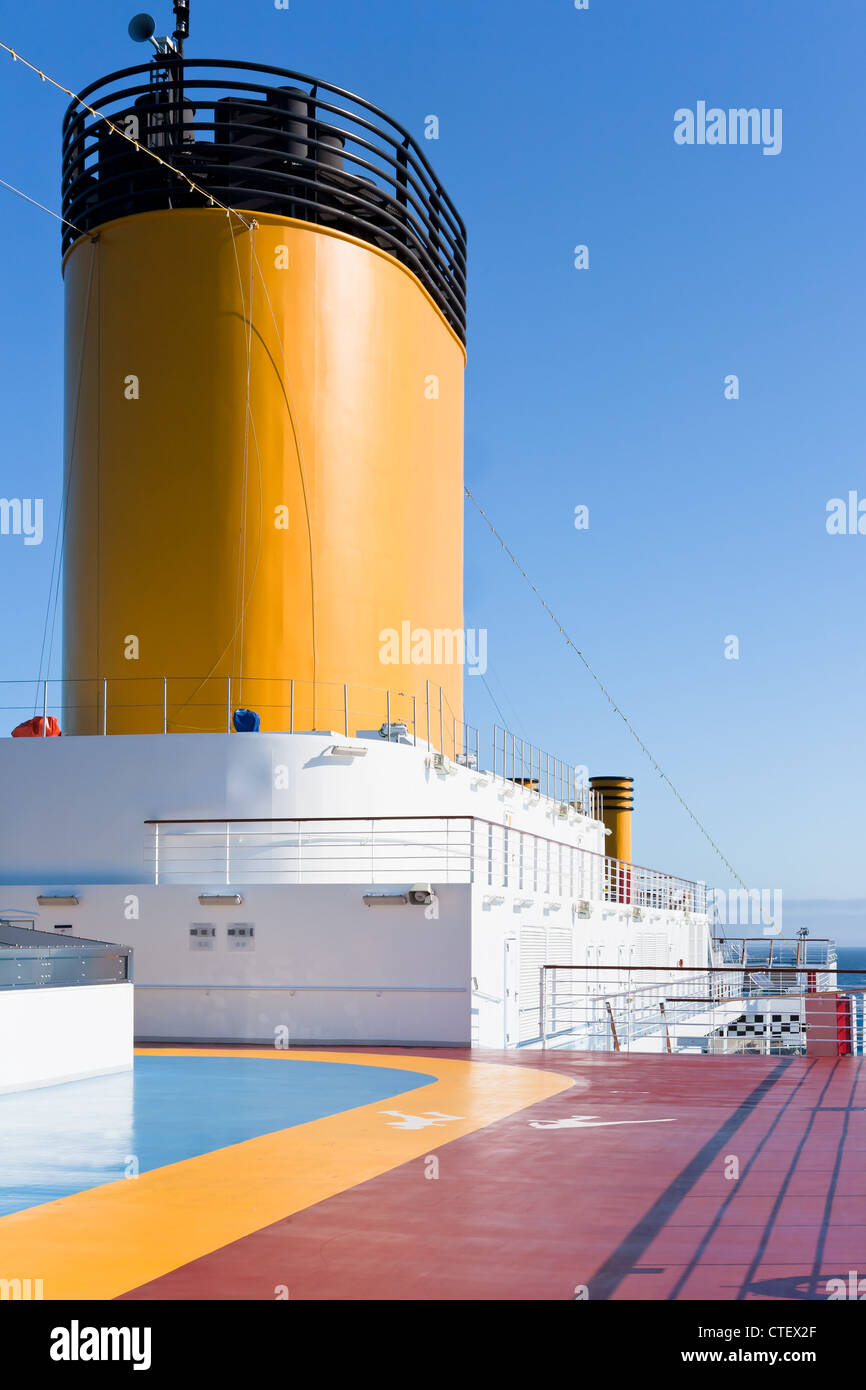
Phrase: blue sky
{"type": "Point", "coordinates": [602, 387]}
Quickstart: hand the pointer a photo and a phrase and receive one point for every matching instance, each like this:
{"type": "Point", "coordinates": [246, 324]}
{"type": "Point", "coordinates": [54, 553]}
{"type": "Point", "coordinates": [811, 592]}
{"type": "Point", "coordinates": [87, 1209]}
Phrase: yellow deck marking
{"type": "Point", "coordinates": [110, 1239]}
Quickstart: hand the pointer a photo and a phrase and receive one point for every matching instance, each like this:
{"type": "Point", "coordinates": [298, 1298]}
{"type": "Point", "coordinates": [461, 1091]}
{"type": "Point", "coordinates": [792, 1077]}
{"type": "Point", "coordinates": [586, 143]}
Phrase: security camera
{"type": "Point", "coordinates": [421, 894]}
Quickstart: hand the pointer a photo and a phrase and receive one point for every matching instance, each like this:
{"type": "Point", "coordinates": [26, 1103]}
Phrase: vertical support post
{"type": "Point", "coordinates": [44, 709]}
{"type": "Point", "coordinates": [667, 1029]}
{"type": "Point", "coordinates": [414, 723]}
{"type": "Point", "coordinates": [454, 738]}
{"type": "Point", "coordinates": [228, 852]}
{"type": "Point", "coordinates": [612, 1025]}
{"type": "Point", "coordinates": [292, 705]}
{"type": "Point", "coordinates": [427, 699]}
{"type": "Point", "coordinates": [104, 705]}
{"type": "Point", "coordinates": [542, 1006]}
{"type": "Point", "coordinates": [441, 724]}
{"type": "Point", "coordinates": [165, 704]}
{"type": "Point", "coordinates": [228, 705]}
{"type": "Point", "coordinates": [388, 713]}
{"type": "Point", "coordinates": [156, 853]}
{"type": "Point", "coordinates": [402, 180]}
{"type": "Point", "coordinates": [346, 710]}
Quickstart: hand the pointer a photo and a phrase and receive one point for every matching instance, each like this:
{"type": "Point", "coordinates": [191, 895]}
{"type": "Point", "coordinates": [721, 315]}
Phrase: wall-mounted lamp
{"type": "Point", "coordinates": [421, 894]}
{"type": "Point", "coordinates": [385, 899]}
{"type": "Point", "coordinates": [220, 899]}
{"type": "Point", "coordinates": [345, 750]}
{"type": "Point", "coordinates": [57, 900]}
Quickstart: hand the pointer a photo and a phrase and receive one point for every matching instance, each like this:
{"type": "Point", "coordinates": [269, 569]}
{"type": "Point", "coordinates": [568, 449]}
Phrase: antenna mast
{"type": "Point", "coordinates": [181, 15]}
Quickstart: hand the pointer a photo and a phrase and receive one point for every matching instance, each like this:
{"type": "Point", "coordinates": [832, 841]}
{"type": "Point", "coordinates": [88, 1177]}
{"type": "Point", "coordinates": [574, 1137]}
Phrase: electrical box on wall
{"type": "Point", "coordinates": [241, 936]}
{"type": "Point", "coordinates": [202, 936]}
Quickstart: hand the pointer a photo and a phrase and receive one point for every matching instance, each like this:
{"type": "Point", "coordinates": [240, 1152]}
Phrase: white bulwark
{"type": "Point", "coordinates": [312, 887]}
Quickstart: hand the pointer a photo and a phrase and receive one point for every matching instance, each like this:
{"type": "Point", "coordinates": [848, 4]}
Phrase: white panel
{"type": "Point", "coordinates": [63, 1033]}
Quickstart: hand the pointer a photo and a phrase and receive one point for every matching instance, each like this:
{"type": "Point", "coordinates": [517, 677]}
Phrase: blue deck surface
{"type": "Point", "coordinates": [64, 1139]}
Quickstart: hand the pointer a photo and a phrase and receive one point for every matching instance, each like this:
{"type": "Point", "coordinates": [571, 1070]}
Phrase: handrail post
{"type": "Point", "coordinates": [441, 724]}
{"type": "Point", "coordinates": [414, 722]}
{"type": "Point", "coordinates": [165, 704]}
{"type": "Point", "coordinates": [104, 705]}
{"type": "Point", "coordinates": [542, 1006]}
{"type": "Point", "coordinates": [346, 711]}
{"type": "Point", "coordinates": [292, 705]}
{"type": "Point", "coordinates": [44, 708]}
{"type": "Point", "coordinates": [427, 696]}
{"type": "Point", "coordinates": [228, 704]}
{"type": "Point", "coordinates": [156, 853]}
{"type": "Point", "coordinates": [388, 713]}
{"type": "Point", "coordinates": [228, 853]}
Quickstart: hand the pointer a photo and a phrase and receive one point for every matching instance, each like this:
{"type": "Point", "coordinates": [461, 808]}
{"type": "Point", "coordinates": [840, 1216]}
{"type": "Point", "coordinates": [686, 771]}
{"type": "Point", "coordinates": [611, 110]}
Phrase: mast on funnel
{"type": "Point", "coordinates": [181, 15]}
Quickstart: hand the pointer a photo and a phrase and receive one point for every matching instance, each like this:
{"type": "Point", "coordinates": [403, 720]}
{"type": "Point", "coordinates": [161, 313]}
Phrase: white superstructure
{"type": "Point", "coordinates": [265, 883]}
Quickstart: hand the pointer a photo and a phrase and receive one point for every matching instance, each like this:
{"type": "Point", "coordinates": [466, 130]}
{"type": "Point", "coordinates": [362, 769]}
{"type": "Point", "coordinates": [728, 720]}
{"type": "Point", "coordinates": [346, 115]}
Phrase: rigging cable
{"type": "Point", "coordinates": [290, 408]}
{"type": "Point", "coordinates": [635, 735]}
{"type": "Point", "coordinates": [118, 130]}
{"type": "Point", "coordinates": [28, 199]}
{"type": "Point", "coordinates": [246, 318]}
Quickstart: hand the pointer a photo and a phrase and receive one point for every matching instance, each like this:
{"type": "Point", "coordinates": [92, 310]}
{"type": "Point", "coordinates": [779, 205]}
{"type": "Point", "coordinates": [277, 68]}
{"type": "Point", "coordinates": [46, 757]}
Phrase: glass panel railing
{"type": "Point", "coordinates": [37, 960]}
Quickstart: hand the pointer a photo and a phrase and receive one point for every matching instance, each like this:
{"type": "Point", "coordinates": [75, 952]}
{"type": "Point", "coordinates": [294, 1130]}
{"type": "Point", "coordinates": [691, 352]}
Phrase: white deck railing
{"type": "Point", "coordinates": [389, 850]}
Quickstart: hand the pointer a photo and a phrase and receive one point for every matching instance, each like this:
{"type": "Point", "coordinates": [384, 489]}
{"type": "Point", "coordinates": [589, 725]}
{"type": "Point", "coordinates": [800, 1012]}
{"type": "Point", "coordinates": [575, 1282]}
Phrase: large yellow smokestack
{"type": "Point", "coordinates": [264, 421]}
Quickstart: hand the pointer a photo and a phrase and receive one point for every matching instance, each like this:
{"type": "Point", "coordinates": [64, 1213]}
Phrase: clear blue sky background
{"type": "Point", "coordinates": [602, 387]}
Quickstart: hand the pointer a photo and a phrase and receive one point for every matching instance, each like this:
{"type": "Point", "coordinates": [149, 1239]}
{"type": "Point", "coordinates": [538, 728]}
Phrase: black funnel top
{"type": "Point", "coordinates": [261, 139]}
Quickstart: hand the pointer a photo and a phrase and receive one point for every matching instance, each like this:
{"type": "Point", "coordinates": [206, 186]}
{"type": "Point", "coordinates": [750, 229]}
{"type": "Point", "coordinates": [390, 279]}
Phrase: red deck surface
{"type": "Point", "coordinates": [631, 1211]}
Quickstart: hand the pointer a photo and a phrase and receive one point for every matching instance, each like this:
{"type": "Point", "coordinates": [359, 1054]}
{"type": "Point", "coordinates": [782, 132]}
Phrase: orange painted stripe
{"type": "Point", "coordinates": [103, 1242]}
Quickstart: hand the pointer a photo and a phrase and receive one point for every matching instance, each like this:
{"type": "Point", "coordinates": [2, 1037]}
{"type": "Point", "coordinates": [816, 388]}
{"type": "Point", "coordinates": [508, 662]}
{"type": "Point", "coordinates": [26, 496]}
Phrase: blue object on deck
{"type": "Point", "coordinates": [246, 721]}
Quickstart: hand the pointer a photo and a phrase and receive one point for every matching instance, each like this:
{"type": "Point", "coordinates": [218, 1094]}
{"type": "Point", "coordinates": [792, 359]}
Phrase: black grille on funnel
{"type": "Point", "coordinates": [262, 139]}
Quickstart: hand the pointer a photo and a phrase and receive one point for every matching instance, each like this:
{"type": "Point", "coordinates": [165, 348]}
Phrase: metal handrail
{"type": "Point", "coordinates": [432, 845]}
{"type": "Point", "coordinates": [577, 1007]}
{"type": "Point", "coordinates": [538, 768]}
{"type": "Point", "coordinates": [461, 741]}
{"type": "Point", "coordinates": [294, 150]}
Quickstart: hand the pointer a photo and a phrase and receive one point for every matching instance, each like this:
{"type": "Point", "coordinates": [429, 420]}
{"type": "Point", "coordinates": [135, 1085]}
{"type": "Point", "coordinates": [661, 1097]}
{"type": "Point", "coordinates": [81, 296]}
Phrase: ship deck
{"type": "Point", "coordinates": [393, 1173]}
